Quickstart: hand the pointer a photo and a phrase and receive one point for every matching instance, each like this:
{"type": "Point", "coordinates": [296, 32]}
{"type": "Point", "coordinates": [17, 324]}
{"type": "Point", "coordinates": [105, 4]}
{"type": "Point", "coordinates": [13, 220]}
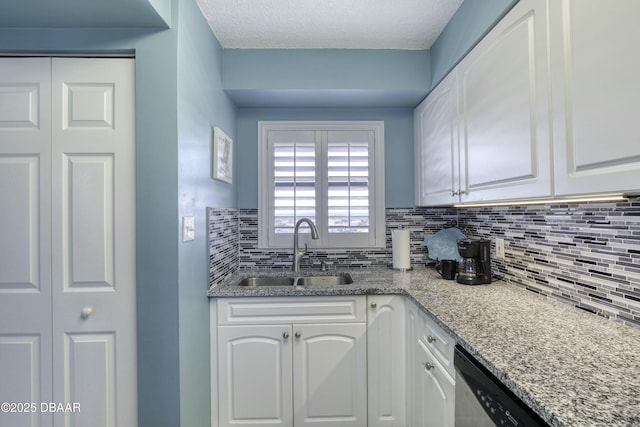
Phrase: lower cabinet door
{"type": "Point", "coordinates": [330, 375]}
{"type": "Point", "coordinates": [386, 361]}
{"type": "Point", "coordinates": [434, 391]}
{"type": "Point", "coordinates": [254, 370]}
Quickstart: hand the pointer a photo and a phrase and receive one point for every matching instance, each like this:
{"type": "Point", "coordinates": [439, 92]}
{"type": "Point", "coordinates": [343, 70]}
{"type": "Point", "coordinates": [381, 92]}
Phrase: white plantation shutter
{"type": "Point", "coordinates": [294, 179]}
{"type": "Point", "coordinates": [326, 173]}
{"type": "Point", "coordinates": [348, 183]}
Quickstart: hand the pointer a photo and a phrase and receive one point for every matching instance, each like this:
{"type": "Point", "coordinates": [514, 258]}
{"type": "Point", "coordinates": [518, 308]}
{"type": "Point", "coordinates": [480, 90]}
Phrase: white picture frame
{"type": "Point", "coordinates": [222, 156]}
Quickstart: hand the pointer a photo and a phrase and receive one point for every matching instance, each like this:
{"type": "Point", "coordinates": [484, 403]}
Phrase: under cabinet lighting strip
{"type": "Point", "coordinates": [615, 197]}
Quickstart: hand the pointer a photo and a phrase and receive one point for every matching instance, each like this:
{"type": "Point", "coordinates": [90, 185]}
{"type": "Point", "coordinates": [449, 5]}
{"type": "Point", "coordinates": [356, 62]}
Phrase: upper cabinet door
{"type": "Point", "coordinates": [596, 95]}
{"type": "Point", "coordinates": [504, 103]}
{"type": "Point", "coordinates": [436, 145]}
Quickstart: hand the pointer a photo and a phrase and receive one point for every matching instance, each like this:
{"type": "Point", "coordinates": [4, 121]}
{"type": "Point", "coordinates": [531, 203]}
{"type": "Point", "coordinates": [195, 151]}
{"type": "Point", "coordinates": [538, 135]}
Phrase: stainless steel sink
{"type": "Point", "coordinates": [267, 281]}
{"type": "Point", "coordinates": [343, 279]}
{"type": "Point", "coordinates": [323, 280]}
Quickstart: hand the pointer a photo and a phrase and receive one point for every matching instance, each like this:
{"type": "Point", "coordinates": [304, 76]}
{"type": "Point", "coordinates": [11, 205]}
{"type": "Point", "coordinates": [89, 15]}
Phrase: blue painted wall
{"type": "Point", "coordinates": [202, 104]}
{"type": "Point", "coordinates": [470, 23]}
{"type": "Point", "coordinates": [398, 140]}
{"type": "Point", "coordinates": [262, 78]}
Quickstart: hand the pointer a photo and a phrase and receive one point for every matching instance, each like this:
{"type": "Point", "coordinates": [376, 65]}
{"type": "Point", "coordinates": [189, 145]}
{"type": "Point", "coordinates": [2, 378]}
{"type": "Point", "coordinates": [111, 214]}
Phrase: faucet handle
{"type": "Point", "coordinates": [306, 248]}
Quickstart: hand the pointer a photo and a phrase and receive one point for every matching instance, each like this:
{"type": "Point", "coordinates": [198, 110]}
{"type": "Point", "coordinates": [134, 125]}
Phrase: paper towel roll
{"type": "Point", "coordinates": [400, 249]}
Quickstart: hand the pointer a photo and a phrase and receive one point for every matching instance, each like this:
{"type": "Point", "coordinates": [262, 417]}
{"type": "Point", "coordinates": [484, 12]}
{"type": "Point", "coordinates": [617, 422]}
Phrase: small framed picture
{"type": "Point", "coordinates": [222, 156]}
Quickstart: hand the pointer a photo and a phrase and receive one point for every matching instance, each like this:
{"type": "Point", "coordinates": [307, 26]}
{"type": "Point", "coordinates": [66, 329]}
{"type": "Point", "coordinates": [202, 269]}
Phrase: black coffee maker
{"type": "Point", "coordinates": [475, 268]}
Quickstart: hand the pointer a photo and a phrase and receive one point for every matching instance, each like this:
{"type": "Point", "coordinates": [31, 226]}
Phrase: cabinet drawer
{"type": "Point", "coordinates": [267, 310]}
{"type": "Point", "coordinates": [438, 342]}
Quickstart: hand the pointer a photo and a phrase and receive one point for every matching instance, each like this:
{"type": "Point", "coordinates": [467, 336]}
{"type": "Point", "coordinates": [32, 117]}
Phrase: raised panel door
{"type": "Point", "coordinates": [25, 242]}
{"type": "Point", "coordinates": [67, 256]}
{"type": "Point", "coordinates": [596, 95]}
{"type": "Point", "coordinates": [434, 391]}
{"type": "Point", "coordinates": [504, 105]}
{"type": "Point", "coordinates": [386, 361]}
{"type": "Point", "coordinates": [330, 375]}
{"type": "Point", "coordinates": [93, 240]}
{"type": "Point", "coordinates": [411, 337]}
{"type": "Point", "coordinates": [254, 374]}
{"type": "Point", "coordinates": [436, 145]}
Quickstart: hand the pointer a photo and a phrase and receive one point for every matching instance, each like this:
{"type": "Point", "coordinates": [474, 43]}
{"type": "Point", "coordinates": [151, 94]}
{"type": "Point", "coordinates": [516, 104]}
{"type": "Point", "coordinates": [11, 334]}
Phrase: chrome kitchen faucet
{"type": "Point", "coordinates": [299, 253]}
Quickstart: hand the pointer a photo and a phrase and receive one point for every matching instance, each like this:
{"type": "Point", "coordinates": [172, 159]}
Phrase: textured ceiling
{"type": "Point", "coordinates": [330, 24]}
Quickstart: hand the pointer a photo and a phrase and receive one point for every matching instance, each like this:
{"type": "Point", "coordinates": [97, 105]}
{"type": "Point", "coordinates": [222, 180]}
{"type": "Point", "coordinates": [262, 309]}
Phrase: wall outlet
{"type": "Point", "coordinates": [499, 248]}
{"type": "Point", "coordinates": [188, 228]}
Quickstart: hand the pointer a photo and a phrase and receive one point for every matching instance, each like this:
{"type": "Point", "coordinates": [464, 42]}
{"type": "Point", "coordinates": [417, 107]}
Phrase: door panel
{"type": "Point", "coordinates": [596, 96]}
{"type": "Point", "coordinates": [330, 375]}
{"type": "Point", "coordinates": [93, 217]}
{"type": "Point", "coordinates": [255, 375]}
{"type": "Point", "coordinates": [436, 391]}
{"type": "Point", "coordinates": [386, 361]}
{"type": "Point", "coordinates": [25, 245]}
{"type": "Point", "coordinates": [21, 379]}
{"type": "Point", "coordinates": [67, 192]}
{"type": "Point", "coordinates": [88, 211]}
{"type": "Point", "coordinates": [89, 363]}
{"type": "Point", "coordinates": [504, 101]}
{"type": "Point", "coordinates": [437, 150]}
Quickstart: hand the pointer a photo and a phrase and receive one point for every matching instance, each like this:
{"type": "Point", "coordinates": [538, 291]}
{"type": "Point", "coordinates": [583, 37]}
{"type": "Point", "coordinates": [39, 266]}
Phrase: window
{"type": "Point", "coordinates": [329, 172]}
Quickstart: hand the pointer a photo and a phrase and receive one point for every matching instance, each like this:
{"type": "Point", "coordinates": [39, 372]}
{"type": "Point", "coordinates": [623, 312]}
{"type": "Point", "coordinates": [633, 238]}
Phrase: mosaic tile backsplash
{"type": "Point", "coordinates": [586, 255]}
{"type": "Point", "coordinates": [223, 243]}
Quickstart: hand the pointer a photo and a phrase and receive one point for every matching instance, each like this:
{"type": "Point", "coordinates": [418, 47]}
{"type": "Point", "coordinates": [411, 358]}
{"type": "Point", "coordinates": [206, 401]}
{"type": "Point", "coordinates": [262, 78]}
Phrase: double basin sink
{"type": "Point", "coordinates": [320, 280]}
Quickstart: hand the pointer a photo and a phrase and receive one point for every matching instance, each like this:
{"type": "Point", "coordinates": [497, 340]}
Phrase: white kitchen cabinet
{"type": "Point", "coordinates": [484, 132]}
{"type": "Point", "coordinates": [255, 375]}
{"type": "Point", "coordinates": [330, 375]}
{"type": "Point", "coordinates": [412, 324]}
{"type": "Point", "coordinates": [386, 360]}
{"type": "Point", "coordinates": [437, 156]}
{"type": "Point", "coordinates": [291, 361]}
{"type": "Point", "coordinates": [504, 109]}
{"type": "Point", "coordinates": [596, 95]}
{"type": "Point", "coordinates": [434, 391]}
{"type": "Point", "coordinates": [431, 382]}
{"type": "Point", "coordinates": [439, 343]}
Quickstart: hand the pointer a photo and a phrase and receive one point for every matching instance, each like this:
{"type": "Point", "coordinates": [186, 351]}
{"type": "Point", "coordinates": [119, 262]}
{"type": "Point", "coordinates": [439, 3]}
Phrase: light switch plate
{"type": "Point", "coordinates": [499, 248]}
{"type": "Point", "coordinates": [188, 228]}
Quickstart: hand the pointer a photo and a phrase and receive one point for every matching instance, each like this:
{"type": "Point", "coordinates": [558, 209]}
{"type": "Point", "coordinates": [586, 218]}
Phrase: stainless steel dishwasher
{"type": "Point", "coordinates": [483, 401]}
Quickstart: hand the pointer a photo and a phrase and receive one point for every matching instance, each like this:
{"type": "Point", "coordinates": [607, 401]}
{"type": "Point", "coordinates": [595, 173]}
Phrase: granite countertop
{"type": "Point", "coordinates": [573, 368]}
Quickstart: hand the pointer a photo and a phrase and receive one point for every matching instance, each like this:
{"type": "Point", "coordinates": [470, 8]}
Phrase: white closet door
{"type": "Point", "coordinates": [25, 237]}
{"type": "Point", "coordinates": [93, 237]}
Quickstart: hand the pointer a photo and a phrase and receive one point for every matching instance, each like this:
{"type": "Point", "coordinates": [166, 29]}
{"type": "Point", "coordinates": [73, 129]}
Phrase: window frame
{"type": "Point", "coordinates": [374, 239]}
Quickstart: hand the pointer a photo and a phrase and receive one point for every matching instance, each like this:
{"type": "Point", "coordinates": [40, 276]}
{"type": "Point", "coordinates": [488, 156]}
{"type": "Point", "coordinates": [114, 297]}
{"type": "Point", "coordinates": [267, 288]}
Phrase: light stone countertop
{"type": "Point", "coordinates": [573, 368]}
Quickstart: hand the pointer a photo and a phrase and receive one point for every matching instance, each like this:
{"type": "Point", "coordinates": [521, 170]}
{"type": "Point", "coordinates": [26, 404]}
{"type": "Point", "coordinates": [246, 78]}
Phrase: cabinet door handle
{"type": "Point", "coordinates": [431, 339]}
{"type": "Point", "coordinates": [374, 304]}
{"type": "Point", "coordinates": [428, 366]}
{"type": "Point", "coordinates": [285, 335]}
{"type": "Point", "coordinates": [297, 334]}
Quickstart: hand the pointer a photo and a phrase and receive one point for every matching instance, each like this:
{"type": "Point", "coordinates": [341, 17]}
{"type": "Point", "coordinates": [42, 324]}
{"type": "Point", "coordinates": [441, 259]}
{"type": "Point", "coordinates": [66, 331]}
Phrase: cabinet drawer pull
{"type": "Point", "coordinates": [374, 305]}
{"type": "Point", "coordinates": [428, 366]}
{"type": "Point", "coordinates": [298, 334]}
{"type": "Point", "coordinates": [431, 339]}
{"type": "Point", "coordinates": [285, 335]}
